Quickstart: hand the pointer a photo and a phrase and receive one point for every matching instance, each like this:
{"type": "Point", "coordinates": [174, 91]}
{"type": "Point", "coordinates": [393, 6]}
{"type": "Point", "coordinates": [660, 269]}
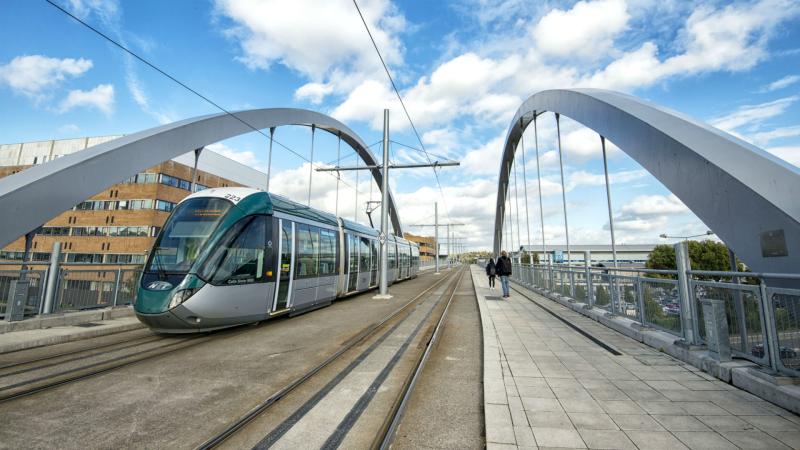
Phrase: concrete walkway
{"type": "Point", "coordinates": [548, 386]}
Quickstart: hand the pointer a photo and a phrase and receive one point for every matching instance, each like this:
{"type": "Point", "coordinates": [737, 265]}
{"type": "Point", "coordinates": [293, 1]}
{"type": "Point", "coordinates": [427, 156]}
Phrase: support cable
{"type": "Point", "coordinates": [402, 103]}
{"type": "Point", "coordinates": [539, 176]}
{"type": "Point", "coordinates": [608, 198]}
{"type": "Point", "coordinates": [563, 188]}
{"type": "Point", "coordinates": [516, 201]}
{"type": "Point", "coordinates": [525, 184]}
{"type": "Point", "coordinates": [176, 81]}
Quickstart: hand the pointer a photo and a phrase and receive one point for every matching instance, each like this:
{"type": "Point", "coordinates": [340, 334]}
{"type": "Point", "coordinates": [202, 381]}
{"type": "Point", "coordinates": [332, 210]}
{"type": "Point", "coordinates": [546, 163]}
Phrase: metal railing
{"type": "Point", "coordinates": [72, 287]}
{"type": "Point", "coordinates": [763, 317]}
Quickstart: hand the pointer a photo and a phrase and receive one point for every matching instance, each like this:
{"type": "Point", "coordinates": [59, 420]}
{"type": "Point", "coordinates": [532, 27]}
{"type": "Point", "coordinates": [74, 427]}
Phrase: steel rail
{"type": "Point", "coordinates": [119, 345]}
{"type": "Point", "coordinates": [397, 415]}
{"type": "Point", "coordinates": [259, 409]}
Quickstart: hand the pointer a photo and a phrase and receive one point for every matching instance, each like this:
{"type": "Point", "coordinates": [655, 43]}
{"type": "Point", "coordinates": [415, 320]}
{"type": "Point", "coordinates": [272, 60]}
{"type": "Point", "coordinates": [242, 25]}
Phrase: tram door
{"type": "Point", "coordinates": [352, 248]}
{"type": "Point", "coordinates": [286, 255]}
{"type": "Point", "coordinates": [373, 249]}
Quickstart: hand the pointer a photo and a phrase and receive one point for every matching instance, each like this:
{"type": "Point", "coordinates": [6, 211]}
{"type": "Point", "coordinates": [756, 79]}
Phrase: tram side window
{"type": "Point", "coordinates": [327, 252]}
{"type": "Point", "coordinates": [240, 256]}
{"type": "Point", "coordinates": [392, 255]}
{"type": "Point", "coordinates": [307, 251]}
{"type": "Point", "coordinates": [364, 252]}
{"type": "Point", "coordinates": [373, 246]}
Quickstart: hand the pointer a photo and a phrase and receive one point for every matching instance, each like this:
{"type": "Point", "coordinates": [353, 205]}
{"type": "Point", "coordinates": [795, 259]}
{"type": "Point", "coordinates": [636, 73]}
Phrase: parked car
{"type": "Point", "coordinates": [785, 352]}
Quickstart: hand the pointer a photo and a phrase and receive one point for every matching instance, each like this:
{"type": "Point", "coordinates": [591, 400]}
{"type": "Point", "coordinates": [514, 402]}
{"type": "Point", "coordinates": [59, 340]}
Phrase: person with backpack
{"type": "Point", "coordinates": [491, 272]}
{"type": "Point", "coordinates": [503, 270]}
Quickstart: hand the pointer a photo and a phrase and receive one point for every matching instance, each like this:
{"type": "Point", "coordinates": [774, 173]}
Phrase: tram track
{"type": "Point", "coordinates": [372, 334]}
{"type": "Point", "coordinates": [387, 434]}
{"type": "Point", "coordinates": [77, 355]}
{"type": "Point", "coordinates": [37, 384]}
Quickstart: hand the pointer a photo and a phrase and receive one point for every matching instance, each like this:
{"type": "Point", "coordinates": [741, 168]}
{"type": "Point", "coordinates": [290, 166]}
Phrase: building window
{"type": "Point", "coordinates": [163, 205]}
{"type": "Point", "coordinates": [175, 182]}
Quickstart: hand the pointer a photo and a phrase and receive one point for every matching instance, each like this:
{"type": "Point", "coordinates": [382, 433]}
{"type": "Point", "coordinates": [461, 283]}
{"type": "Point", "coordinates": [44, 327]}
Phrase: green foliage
{"type": "Point", "coordinates": [601, 297]}
{"type": "Point", "coordinates": [655, 315]}
{"type": "Point", "coordinates": [526, 258]}
{"type": "Point", "coordinates": [703, 255]}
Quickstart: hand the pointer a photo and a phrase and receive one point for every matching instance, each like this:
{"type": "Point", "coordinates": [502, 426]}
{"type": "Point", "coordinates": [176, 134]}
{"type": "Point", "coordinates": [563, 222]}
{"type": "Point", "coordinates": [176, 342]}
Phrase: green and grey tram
{"type": "Point", "coordinates": [230, 256]}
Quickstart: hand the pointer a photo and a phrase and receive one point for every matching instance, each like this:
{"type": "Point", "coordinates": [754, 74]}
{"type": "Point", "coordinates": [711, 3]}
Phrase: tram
{"type": "Point", "coordinates": [231, 256]}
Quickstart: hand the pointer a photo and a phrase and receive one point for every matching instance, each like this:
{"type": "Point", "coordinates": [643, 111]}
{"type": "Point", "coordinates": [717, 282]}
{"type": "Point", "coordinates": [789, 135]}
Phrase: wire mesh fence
{"type": "Point", "coordinates": [653, 298]}
{"type": "Point", "coordinates": [33, 303]}
{"type": "Point", "coordinates": [80, 289]}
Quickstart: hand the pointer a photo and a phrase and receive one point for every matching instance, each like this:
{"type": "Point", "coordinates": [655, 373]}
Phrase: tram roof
{"type": "Point", "coordinates": [287, 206]}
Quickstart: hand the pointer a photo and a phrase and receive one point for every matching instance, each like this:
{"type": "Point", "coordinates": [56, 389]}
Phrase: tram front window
{"type": "Point", "coordinates": [185, 233]}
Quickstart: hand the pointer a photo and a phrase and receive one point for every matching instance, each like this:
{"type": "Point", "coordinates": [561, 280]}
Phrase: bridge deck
{"type": "Point", "coordinates": [548, 385]}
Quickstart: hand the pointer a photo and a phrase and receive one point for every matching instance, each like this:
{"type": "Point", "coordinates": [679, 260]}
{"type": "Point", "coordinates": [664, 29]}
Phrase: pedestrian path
{"type": "Point", "coordinates": [546, 385]}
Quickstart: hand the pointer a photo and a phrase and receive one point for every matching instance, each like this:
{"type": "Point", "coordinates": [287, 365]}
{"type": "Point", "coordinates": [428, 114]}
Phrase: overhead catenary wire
{"type": "Point", "coordinates": [178, 82]}
{"type": "Point", "coordinates": [402, 103]}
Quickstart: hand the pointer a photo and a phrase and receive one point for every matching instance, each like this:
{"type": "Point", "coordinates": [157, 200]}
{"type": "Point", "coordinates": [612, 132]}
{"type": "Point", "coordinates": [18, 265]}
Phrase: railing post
{"type": "Point", "coordinates": [688, 311]}
{"type": "Point", "coordinates": [116, 286]}
{"type": "Point", "coordinates": [587, 264]}
{"type": "Point", "coordinates": [571, 282]}
{"type": "Point", "coordinates": [771, 341]}
{"type": "Point", "coordinates": [52, 278]}
{"type": "Point", "coordinates": [640, 299]}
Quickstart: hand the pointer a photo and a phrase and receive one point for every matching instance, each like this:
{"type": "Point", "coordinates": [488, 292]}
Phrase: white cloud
{"type": "Point", "coordinates": [246, 157]}
{"type": "Point", "coordinates": [733, 38]}
{"type": "Point", "coordinates": [790, 154]}
{"type": "Point", "coordinates": [753, 114]}
{"type": "Point", "coordinates": [780, 84]}
{"type": "Point", "coordinates": [313, 92]}
{"type": "Point", "coordinates": [484, 160]}
{"type": "Point", "coordinates": [763, 138]}
{"type": "Point", "coordinates": [31, 75]}
{"type": "Point", "coordinates": [101, 97]}
{"type": "Point", "coordinates": [653, 205]}
{"type": "Point", "coordinates": [585, 31]}
{"type": "Point", "coordinates": [330, 45]}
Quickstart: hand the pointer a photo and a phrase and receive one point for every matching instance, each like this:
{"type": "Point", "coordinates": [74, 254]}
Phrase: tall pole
{"type": "Point", "coordinates": [311, 163]}
{"type": "Point", "coordinates": [563, 189]}
{"type": "Point", "coordinates": [384, 285]}
{"type": "Point", "coordinates": [608, 200]}
{"type": "Point", "coordinates": [338, 164]}
{"type": "Point", "coordinates": [197, 152]}
{"type": "Point", "coordinates": [355, 207]}
{"type": "Point", "coordinates": [539, 176]}
{"type": "Point", "coordinates": [269, 156]}
{"type": "Point", "coordinates": [436, 235]}
{"type": "Point", "coordinates": [448, 244]}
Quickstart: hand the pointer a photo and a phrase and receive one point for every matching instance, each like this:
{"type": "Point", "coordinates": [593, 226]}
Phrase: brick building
{"type": "Point", "coordinates": [119, 224]}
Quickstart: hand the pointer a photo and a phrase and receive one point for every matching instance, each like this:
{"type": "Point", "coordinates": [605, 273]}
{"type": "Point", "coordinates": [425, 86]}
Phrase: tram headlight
{"type": "Point", "coordinates": [181, 296]}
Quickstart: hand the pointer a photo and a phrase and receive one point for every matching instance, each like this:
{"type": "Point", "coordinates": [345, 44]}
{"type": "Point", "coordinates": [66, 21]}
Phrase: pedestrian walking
{"type": "Point", "coordinates": [491, 272]}
{"type": "Point", "coordinates": [503, 270]}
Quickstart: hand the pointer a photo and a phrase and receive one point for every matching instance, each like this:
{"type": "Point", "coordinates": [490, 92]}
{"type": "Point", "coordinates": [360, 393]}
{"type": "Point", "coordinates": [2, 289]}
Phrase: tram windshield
{"type": "Point", "coordinates": [185, 232]}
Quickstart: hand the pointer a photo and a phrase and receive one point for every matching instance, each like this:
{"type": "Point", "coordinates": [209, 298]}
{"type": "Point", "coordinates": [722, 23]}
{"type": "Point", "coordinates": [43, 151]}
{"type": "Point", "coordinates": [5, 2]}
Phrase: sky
{"type": "Point", "coordinates": [463, 67]}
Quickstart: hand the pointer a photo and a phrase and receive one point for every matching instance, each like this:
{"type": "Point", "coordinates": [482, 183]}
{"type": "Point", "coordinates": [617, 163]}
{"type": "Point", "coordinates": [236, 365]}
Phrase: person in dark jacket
{"type": "Point", "coordinates": [503, 269]}
{"type": "Point", "coordinates": [491, 272]}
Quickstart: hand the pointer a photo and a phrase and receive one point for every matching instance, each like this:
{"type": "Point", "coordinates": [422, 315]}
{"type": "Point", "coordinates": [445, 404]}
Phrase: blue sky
{"type": "Point", "coordinates": [463, 67]}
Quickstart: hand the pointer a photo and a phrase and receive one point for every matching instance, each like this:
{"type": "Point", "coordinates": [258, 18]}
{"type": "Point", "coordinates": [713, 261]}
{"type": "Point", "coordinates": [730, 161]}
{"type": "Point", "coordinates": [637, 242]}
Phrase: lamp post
{"type": "Point", "coordinates": [685, 238]}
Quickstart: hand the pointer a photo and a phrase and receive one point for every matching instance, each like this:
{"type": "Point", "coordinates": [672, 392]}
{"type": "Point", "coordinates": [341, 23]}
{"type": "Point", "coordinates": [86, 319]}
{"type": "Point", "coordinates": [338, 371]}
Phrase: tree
{"type": "Point", "coordinates": [526, 258]}
{"type": "Point", "coordinates": [703, 255]}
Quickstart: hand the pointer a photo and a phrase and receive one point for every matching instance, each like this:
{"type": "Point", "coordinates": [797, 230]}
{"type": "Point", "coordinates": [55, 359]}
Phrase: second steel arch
{"type": "Point", "coordinates": [737, 189]}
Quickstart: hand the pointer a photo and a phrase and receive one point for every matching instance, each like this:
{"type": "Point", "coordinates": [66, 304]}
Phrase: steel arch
{"type": "Point", "coordinates": [30, 198]}
{"type": "Point", "coordinates": [737, 189]}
